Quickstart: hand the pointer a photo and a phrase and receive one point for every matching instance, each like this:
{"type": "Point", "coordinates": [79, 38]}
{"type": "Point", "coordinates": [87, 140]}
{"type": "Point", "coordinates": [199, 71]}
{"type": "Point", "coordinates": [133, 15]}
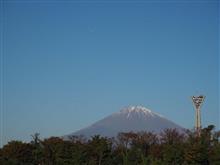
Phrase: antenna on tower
{"type": "Point", "coordinates": [197, 102]}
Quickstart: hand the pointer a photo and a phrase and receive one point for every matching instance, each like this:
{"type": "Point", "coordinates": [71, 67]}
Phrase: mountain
{"type": "Point", "coordinates": [133, 118]}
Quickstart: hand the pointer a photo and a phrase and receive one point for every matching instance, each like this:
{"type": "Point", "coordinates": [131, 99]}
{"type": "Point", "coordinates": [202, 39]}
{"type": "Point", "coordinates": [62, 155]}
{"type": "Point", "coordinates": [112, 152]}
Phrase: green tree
{"type": "Point", "coordinates": [199, 147]}
{"type": "Point", "coordinates": [17, 152]}
{"type": "Point", "coordinates": [99, 150]}
{"type": "Point", "coordinates": [172, 142]}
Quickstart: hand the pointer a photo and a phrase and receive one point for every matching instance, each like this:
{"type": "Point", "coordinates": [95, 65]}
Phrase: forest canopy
{"type": "Point", "coordinates": [170, 147]}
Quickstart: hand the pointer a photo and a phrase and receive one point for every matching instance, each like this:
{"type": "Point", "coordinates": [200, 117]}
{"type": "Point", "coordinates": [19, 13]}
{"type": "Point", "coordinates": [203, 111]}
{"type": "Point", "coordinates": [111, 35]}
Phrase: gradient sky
{"type": "Point", "coordinates": [68, 64]}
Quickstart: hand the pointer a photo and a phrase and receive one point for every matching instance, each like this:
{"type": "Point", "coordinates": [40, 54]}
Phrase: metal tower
{"type": "Point", "coordinates": [197, 101]}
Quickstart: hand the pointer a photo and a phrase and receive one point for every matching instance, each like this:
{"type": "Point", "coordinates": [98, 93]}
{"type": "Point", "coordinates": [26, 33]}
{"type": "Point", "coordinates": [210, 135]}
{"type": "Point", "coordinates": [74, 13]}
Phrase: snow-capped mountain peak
{"type": "Point", "coordinates": [132, 118]}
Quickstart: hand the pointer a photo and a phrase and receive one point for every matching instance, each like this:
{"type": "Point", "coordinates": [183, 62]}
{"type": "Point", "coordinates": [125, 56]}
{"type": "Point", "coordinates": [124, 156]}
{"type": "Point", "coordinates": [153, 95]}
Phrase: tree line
{"type": "Point", "coordinates": [170, 147]}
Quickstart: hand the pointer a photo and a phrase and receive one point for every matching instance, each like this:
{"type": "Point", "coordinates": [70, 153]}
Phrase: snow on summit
{"type": "Point", "coordinates": [138, 110]}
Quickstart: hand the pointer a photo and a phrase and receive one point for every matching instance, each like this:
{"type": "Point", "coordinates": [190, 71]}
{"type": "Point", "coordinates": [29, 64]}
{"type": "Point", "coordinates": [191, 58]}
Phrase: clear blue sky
{"type": "Point", "coordinates": [69, 64]}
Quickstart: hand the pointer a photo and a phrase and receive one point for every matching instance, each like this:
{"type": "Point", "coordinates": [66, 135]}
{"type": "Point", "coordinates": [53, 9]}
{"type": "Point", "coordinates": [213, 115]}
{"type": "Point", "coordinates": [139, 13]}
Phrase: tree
{"type": "Point", "coordinates": [17, 152]}
{"type": "Point", "coordinates": [99, 150]}
{"type": "Point", "coordinates": [199, 147]}
{"type": "Point", "coordinates": [124, 142]}
{"type": "Point", "coordinates": [172, 142]}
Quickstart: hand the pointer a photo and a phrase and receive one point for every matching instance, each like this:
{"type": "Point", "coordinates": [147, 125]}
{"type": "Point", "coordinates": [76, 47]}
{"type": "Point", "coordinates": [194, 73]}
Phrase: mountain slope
{"type": "Point", "coordinates": [133, 118]}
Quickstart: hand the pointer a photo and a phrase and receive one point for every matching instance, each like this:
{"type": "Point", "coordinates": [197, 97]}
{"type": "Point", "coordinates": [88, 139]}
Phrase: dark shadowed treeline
{"type": "Point", "coordinates": [144, 148]}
